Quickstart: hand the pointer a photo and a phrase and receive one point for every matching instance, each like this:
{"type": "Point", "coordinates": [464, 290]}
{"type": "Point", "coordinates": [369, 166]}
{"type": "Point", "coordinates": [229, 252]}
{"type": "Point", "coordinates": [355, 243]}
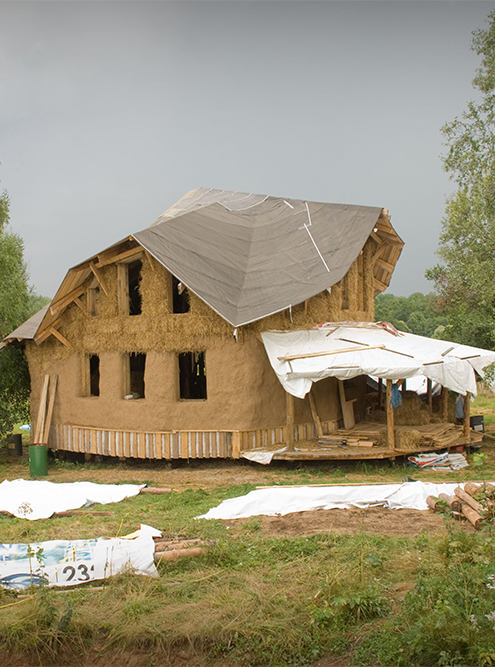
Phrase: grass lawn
{"type": "Point", "coordinates": [484, 404]}
{"type": "Point", "coordinates": [264, 595]}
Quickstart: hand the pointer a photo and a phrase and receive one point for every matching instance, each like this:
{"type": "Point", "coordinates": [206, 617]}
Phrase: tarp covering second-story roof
{"type": "Point", "coordinates": [248, 256]}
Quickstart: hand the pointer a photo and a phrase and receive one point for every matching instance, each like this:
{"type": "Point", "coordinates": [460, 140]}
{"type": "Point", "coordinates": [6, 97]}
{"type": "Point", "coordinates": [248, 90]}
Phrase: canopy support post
{"type": "Point", "coordinates": [390, 417]}
{"type": "Point", "coordinates": [445, 404]}
{"type": "Point", "coordinates": [467, 414]}
{"type": "Point", "coordinates": [289, 421]}
{"type": "Point", "coordinates": [380, 393]}
{"type": "Point", "coordinates": [429, 395]}
{"type": "Point", "coordinates": [314, 412]}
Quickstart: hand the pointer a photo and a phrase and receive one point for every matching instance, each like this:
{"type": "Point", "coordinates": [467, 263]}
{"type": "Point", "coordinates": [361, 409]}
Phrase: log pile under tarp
{"type": "Point", "coordinates": [474, 502]}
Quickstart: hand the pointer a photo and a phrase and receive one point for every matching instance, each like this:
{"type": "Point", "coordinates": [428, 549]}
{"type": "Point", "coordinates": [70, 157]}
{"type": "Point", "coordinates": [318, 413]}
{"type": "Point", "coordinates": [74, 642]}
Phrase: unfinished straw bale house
{"type": "Point", "coordinates": [156, 342]}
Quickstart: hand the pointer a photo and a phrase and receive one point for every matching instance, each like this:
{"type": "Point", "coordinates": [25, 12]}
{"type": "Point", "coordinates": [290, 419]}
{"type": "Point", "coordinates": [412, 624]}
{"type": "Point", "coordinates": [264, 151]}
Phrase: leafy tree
{"type": "Point", "coordinates": [416, 314]}
{"type": "Point", "coordinates": [465, 278]}
{"type": "Point", "coordinates": [17, 303]}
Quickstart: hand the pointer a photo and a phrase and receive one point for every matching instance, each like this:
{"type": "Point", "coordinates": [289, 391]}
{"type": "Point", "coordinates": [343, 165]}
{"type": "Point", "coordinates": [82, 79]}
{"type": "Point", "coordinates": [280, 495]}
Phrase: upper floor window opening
{"type": "Point", "coordinates": [180, 297]}
{"type": "Point", "coordinates": [133, 280]}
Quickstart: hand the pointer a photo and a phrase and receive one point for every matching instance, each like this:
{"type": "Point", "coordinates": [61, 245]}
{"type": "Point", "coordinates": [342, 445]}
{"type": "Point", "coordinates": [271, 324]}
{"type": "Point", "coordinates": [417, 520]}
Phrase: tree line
{"type": "Point", "coordinates": [418, 313]}
{"type": "Point", "coordinates": [18, 302]}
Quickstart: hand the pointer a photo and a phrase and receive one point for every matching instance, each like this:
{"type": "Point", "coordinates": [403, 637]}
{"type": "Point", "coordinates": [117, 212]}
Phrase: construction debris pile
{"type": "Point", "coordinates": [407, 438]}
{"type": "Point", "coordinates": [474, 502]}
{"type": "Point", "coordinates": [438, 461]}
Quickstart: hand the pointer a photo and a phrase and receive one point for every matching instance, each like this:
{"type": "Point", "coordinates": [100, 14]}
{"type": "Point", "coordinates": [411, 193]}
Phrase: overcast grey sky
{"type": "Point", "coordinates": [111, 111]}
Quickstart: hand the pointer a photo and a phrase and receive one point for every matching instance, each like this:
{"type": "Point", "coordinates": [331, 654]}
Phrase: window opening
{"type": "Point", "coordinates": [134, 278]}
{"type": "Point", "coordinates": [137, 363]}
{"type": "Point", "coordinates": [180, 296]}
{"type": "Point", "coordinates": [192, 375]}
{"type": "Point", "coordinates": [94, 375]}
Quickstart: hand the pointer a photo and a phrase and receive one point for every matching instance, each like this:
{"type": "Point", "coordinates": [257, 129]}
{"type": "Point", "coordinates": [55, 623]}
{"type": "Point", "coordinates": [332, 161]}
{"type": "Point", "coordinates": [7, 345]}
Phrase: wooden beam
{"type": "Point", "coordinates": [290, 421]}
{"type": "Point", "coordinates": [347, 408]}
{"type": "Point", "coordinates": [361, 348]}
{"type": "Point", "coordinates": [39, 338]}
{"type": "Point", "coordinates": [385, 265]}
{"type": "Point", "coordinates": [122, 290]}
{"type": "Point", "coordinates": [236, 444]}
{"type": "Point", "coordinates": [381, 285]}
{"type": "Point", "coordinates": [80, 304]}
{"type": "Point", "coordinates": [150, 259]}
{"type": "Point", "coordinates": [316, 418]}
{"type": "Point", "coordinates": [376, 238]}
{"type": "Point", "coordinates": [99, 278]}
{"type": "Point", "coordinates": [391, 238]}
{"type": "Point", "coordinates": [60, 337]}
{"type": "Point", "coordinates": [58, 305]}
{"type": "Point", "coordinates": [380, 393]}
{"type": "Point", "coordinates": [49, 412]}
{"type": "Point", "coordinates": [390, 417]}
{"type": "Point", "coordinates": [467, 415]}
{"type": "Point", "coordinates": [118, 257]}
{"type": "Point", "coordinates": [41, 411]}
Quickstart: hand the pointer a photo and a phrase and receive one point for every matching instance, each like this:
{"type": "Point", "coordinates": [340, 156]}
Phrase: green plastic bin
{"type": "Point", "coordinates": [38, 460]}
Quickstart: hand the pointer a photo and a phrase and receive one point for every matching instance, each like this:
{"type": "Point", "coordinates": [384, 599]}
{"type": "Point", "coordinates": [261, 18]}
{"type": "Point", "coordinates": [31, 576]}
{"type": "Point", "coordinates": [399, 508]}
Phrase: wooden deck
{"type": "Point", "coordinates": [364, 442]}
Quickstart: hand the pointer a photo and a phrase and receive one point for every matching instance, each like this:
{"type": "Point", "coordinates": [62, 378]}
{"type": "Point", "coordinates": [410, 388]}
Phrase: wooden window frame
{"type": "Point", "coordinates": [123, 282]}
{"type": "Point", "coordinates": [127, 385]}
{"type": "Point", "coordinates": [86, 376]}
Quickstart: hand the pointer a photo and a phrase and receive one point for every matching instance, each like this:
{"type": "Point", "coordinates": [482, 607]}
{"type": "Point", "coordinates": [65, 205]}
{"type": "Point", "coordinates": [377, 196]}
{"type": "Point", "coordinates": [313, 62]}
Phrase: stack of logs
{"type": "Point", "coordinates": [173, 548]}
{"type": "Point", "coordinates": [476, 503]}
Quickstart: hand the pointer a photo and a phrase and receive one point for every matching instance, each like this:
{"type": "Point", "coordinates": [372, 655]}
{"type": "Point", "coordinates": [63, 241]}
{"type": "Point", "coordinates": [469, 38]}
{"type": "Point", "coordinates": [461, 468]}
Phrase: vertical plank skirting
{"type": "Point", "coordinates": [173, 444]}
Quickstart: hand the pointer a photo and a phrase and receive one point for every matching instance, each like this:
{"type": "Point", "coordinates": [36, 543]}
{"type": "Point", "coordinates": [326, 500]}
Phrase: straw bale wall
{"type": "Point", "coordinates": [243, 392]}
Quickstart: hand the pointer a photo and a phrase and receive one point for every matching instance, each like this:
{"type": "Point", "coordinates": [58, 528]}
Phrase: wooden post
{"type": "Point", "coordinates": [403, 387]}
{"type": "Point", "coordinates": [390, 417]}
{"type": "Point", "coordinates": [236, 444]}
{"type": "Point", "coordinates": [445, 404]}
{"type": "Point", "coordinates": [38, 431]}
{"type": "Point", "coordinates": [316, 418]}
{"type": "Point", "coordinates": [380, 393]}
{"type": "Point", "coordinates": [51, 401]}
{"type": "Point", "coordinates": [428, 393]}
{"type": "Point", "coordinates": [290, 421]}
{"type": "Point", "coordinates": [467, 415]}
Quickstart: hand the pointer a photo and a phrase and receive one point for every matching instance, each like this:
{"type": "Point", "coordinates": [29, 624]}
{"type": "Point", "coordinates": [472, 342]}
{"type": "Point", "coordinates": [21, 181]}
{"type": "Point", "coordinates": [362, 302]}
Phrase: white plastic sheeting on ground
{"type": "Point", "coordinates": [31, 499]}
{"type": "Point", "coordinates": [286, 499]}
{"type": "Point", "coordinates": [263, 457]}
{"type": "Point", "coordinates": [73, 562]}
{"type": "Point", "coordinates": [371, 350]}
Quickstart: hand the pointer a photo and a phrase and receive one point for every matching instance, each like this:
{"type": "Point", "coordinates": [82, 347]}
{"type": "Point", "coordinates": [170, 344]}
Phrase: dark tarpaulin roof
{"type": "Point", "coordinates": [248, 256]}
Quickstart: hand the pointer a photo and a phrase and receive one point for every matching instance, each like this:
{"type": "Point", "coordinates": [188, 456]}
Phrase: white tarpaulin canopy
{"type": "Point", "coordinates": [344, 351]}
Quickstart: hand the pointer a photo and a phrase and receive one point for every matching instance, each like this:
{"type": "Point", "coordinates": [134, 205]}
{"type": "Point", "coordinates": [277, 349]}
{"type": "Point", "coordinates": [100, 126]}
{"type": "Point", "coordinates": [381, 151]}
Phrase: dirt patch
{"type": "Point", "coordinates": [373, 521]}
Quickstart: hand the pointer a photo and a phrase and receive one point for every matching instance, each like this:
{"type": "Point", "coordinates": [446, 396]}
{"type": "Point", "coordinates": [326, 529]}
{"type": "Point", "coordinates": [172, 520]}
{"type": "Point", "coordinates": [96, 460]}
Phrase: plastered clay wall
{"type": "Point", "coordinates": [243, 391]}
